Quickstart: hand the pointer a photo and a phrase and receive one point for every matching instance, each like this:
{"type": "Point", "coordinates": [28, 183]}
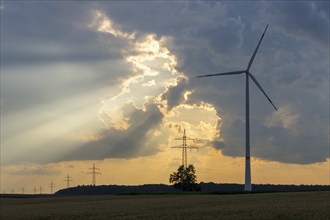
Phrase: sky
{"type": "Point", "coordinates": [114, 83]}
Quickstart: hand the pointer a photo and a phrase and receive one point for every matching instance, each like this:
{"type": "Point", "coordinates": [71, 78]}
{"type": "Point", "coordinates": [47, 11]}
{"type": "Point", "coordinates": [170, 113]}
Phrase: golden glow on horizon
{"type": "Point", "coordinates": [211, 166]}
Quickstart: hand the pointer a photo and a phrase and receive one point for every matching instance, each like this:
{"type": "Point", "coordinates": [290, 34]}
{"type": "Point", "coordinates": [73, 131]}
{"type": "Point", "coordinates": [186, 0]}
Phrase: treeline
{"type": "Point", "coordinates": [117, 189]}
{"type": "Point", "coordinates": [229, 187]}
{"type": "Point", "coordinates": [205, 187]}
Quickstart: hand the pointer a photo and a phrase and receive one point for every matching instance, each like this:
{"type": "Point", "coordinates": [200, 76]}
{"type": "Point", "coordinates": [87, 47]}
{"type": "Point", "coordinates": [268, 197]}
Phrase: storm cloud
{"type": "Point", "coordinates": [51, 52]}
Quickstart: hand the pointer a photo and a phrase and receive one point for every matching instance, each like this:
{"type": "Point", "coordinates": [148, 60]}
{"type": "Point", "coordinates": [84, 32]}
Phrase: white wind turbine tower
{"type": "Point", "coordinates": [248, 74]}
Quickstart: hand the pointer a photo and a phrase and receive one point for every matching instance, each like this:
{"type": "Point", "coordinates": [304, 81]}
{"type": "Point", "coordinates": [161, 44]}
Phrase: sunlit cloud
{"type": "Point", "coordinates": [155, 80]}
{"type": "Point", "coordinates": [186, 95]}
{"type": "Point", "coordinates": [103, 24]}
{"type": "Point", "coordinates": [114, 118]}
{"type": "Point", "coordinates": [202, 128]}
{"type": "Point", "coordinates": [153, 70]}
{"type": "Point", "coordinates": [150, 83]}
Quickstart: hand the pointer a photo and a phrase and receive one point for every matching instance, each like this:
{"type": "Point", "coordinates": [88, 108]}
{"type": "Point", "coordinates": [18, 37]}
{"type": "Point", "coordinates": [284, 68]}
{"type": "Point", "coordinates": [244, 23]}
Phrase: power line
{"type": "Point", "coordinates": [68, 179]}
{"type": "Point", "coordinates": [184, 147]}
{"type": "Point", "coordinates": [51, 187]}
{"type": "Point", "coordinates": [94, 173]}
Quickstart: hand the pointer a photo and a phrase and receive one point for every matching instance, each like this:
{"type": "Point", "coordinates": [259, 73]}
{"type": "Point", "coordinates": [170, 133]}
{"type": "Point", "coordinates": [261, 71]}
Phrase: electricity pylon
{"type": "Point", "coordinates": [35, 190]}
{"type": "Point", "coordinates": [94, 173]}
{"type": "Point", "coordinates": [40, 190]}
{"type": "Point", "coordinates": [184, 147]}
{"type": "Point", "coordinates": [51, 187]}
{"type": "Point", "coordinates": [68, 179]}
{"type": "Point", "coordinates": [23, 190]}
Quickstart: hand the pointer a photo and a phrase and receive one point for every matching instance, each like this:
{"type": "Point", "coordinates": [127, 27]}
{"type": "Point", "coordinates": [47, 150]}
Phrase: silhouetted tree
{"type": "Point", "coordinates": [185, 179]}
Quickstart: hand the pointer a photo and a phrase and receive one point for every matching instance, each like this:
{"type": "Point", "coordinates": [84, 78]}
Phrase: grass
{"type": "Point", "coordinates": [294, 205]}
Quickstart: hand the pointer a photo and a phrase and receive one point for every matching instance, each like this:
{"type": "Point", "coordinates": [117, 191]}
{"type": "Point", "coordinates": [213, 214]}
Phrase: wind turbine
{"type": "Point", "coordinates": [248, 74]}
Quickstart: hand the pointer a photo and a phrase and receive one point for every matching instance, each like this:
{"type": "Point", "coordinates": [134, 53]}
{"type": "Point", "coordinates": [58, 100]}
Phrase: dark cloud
{"type": "Point", "coordinates": [275, 143]}
{"type": "Point", "coordinates": [307, 19]}
{"type": "Point", "coordinates": [223, 38]}
{"type": "Point", "coordinates": [130, 143]}
{"type": "Point", "coordinates": [174, 95]}
{"type": "Point", "coordinates": [218, 144]}
{"type": "Point", "coordinates": [40, 32]}
{"type": "Point", "coordinates": [292, 145]}
{"type": "Point", "coordinates": [162, 18]}
{"type": "Point", "coordinates": [32, 171]}
{"type": "Point", "coordinates": [233, 134]}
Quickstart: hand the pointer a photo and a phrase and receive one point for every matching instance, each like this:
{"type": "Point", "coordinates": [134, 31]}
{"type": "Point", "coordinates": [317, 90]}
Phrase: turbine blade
{"type": "Point", "coordinates": [256, 82]}
{"type": "Point", "coordinates": [221, 74]}
{"type": "Point", "coordinates": [255, 51]}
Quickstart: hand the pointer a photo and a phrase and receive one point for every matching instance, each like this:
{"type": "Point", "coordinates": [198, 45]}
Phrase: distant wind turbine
{"type": "Point", "coordinates": [247, 186]}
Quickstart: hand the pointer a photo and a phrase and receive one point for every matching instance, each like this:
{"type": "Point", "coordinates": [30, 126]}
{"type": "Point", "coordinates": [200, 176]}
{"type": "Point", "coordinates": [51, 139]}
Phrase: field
{"type": "Point", "coordinates": [293, 205]}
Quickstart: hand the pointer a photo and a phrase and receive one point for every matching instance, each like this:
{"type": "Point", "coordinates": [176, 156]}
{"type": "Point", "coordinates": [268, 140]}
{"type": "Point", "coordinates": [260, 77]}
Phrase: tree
{"type": "Point", "coordinates": [185, 179]}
